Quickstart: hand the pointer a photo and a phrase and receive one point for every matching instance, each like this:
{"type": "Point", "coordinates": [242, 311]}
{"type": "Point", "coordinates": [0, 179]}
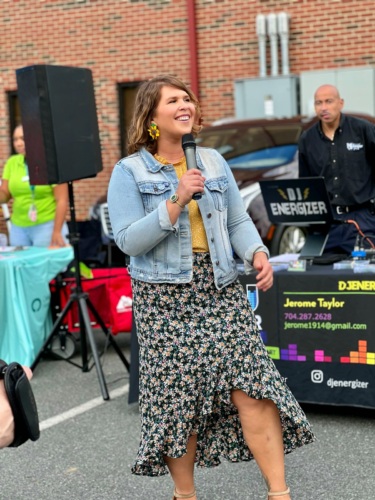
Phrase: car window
{"type": "Point", "coordinates": [286, 134]}
{"type": "Point", "coordinates": [265, 158]}
{"type": "Point", "coordinates": [232, 142]}
{"type": "Point", "coordinates": [238, 142]}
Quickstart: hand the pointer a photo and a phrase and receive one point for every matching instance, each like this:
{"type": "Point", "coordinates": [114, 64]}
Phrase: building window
{"type": "Point", "coordinates": [127, 93]}
{"type": "Point", "coordinates": [14, 115]}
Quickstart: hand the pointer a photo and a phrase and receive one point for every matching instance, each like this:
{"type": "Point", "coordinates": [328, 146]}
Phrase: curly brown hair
{"type": "Point", "coordinates": [146, 102]}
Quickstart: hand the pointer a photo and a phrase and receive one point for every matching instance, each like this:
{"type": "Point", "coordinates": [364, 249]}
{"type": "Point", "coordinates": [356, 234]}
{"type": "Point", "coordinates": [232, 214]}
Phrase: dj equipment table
{"type": "Point", "coordinates": [319, 328]}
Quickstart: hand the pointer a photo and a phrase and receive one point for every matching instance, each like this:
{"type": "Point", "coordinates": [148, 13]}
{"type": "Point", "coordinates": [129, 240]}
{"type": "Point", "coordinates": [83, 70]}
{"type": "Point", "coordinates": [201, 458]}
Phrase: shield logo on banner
{"type": "Point", "coordinates": [252, 296]}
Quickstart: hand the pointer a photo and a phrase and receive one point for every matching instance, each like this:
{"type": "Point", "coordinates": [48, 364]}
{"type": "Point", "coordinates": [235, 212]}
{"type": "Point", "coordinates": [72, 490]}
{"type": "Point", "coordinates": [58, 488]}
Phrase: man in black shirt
{"type": "Point", "coordinates": [341, 149]}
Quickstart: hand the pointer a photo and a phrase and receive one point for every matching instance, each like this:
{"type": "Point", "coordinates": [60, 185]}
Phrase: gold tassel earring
{"type": "Point", "coordinates": [153, 131]}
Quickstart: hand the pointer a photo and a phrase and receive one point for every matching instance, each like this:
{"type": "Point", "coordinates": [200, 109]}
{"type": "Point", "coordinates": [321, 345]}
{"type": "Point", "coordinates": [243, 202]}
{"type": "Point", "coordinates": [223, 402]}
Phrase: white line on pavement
{"type": "Point", "coordinates": [78, 410]}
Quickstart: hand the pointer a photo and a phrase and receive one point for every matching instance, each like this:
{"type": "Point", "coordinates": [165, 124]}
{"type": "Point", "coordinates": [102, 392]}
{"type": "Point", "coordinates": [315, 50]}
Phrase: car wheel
{"type": "Point", "coordinates": [288, 239]}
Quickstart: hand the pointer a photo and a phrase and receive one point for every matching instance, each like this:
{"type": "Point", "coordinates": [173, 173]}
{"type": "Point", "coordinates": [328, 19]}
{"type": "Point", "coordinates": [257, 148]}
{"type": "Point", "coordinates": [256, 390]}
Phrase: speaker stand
{"type": "Point", "coordinates": [79, 297]}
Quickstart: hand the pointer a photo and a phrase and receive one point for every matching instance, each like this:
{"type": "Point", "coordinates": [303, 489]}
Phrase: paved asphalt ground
{"type": "Point", "coordinates": [87, 446]}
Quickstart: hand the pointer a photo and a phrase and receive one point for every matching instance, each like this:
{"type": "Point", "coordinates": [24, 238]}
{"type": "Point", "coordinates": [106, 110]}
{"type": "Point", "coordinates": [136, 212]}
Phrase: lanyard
{"type": "Point", "coordinates": [32, 187]}
{"type": "Point", "coordinates": [32, 213]}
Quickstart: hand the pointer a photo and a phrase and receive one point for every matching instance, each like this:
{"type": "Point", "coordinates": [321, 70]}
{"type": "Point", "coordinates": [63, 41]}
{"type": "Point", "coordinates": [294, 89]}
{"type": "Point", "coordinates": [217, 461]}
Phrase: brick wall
{"type": "Point", "coordinates": [132, 40]}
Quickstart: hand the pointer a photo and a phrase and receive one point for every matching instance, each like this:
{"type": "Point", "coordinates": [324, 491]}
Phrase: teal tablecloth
{"type": "Point", "coordinates": [25, 316]}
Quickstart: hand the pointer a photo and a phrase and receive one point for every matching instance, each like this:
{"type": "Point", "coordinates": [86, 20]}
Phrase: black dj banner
{"type": "Point", "coordinates": [319, 328]}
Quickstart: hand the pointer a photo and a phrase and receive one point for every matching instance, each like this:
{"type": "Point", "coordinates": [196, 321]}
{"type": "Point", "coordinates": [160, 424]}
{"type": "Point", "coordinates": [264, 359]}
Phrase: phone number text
{"type": "Point", "coordinates": [316, 316]}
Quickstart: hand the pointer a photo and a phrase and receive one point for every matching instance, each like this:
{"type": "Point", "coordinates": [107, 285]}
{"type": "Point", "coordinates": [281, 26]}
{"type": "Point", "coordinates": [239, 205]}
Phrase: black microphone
{"type": "Point", "coordinates": [189, 147]}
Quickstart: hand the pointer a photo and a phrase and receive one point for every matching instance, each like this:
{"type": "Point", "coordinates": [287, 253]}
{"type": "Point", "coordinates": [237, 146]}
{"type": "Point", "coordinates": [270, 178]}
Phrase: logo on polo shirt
{"type": "Point", "coordinates": [354, 146]}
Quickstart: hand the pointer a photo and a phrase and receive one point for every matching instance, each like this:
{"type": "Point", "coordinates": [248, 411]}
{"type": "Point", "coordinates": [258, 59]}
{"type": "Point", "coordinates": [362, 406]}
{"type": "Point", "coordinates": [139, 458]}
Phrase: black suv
{"type": "Point", "coordinates": [260, 150]}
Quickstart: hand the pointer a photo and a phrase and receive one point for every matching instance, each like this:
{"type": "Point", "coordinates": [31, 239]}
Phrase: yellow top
{"type": "Point", "coordinates": [198, 233]}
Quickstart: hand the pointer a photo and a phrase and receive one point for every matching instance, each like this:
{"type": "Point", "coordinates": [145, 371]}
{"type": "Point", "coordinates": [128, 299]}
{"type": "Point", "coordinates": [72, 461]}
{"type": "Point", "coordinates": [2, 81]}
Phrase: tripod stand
{"type": "Point", "coordinates": [83, 302]}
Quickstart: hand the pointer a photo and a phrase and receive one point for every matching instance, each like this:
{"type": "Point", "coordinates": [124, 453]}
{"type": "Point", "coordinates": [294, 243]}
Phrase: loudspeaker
{"type": "Point", "coordinates": [60, 126]}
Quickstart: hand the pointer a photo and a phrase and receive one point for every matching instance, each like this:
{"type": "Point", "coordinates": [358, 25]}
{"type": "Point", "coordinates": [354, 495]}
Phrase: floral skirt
{"type": "Point", "coordinates": [197, 344]}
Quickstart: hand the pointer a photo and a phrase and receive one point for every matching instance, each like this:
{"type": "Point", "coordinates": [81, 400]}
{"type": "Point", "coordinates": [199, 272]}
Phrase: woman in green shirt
{"type": "Point", "coordinates": [38, 212]}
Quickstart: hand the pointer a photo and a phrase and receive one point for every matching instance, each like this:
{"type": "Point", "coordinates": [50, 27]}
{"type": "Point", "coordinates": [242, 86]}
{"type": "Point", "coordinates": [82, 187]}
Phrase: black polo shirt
{"type": "Point", "coordinates": [347, 162]}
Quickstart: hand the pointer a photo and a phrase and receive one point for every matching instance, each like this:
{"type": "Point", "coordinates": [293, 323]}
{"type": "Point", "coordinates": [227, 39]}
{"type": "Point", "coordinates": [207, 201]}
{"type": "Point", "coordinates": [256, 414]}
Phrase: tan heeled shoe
{"type": "Point", "coordinates": [183, 495]}
{"type": "Point", "coordinates": [278, 493]}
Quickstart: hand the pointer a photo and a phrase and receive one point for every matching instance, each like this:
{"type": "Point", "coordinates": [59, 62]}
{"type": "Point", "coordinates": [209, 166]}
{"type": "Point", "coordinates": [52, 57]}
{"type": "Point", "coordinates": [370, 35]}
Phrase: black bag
{"type": "Point", "coordinates": [22, 403]}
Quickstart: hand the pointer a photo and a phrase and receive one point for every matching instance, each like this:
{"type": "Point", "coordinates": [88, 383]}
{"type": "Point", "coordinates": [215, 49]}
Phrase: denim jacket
{"type": "Point", "coordinates": [161, 252]}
